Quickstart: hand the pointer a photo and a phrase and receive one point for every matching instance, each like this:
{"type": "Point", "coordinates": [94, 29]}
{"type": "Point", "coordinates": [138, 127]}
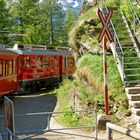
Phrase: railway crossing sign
{"type": "Point", "coordinates": [105, 32]}
{"type": "Point", "coordinates": [105, 21]}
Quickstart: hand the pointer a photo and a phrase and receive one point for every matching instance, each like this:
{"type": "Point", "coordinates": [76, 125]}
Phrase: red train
{"type": "Point", "coordinates": [30, 68]}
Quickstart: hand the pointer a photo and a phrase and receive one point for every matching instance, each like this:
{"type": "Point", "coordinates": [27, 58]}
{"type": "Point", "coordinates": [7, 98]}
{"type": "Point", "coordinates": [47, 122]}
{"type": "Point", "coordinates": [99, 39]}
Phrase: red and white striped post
{"type": "Point", "coordinates": [105, 32]}
{"type": "Point", "coordinates": [105, 73]}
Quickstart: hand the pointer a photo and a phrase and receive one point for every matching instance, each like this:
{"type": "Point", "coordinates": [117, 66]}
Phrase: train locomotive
{"type": "Point", "coordinates": [29, 68]}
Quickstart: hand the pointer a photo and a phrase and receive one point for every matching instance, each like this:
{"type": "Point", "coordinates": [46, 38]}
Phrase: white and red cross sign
{"type": "Point", "coordinates": [105, 32]}
{"type": "Point", "coordinates": [105, 29]}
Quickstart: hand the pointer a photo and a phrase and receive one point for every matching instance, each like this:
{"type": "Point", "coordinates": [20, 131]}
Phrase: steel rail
{"type": "Point", "coordinates": [48, 127]}
{"type": "Point", "coordinates": [133, 10]}
{"type": "Point", "coordinates": [118, 53]}
{"type": "Point", "coordinates": [131, 34]}
{"type": "Point", "coordinates": [127, 132]}
{"type": "Point", "coordinates": [48, 113]}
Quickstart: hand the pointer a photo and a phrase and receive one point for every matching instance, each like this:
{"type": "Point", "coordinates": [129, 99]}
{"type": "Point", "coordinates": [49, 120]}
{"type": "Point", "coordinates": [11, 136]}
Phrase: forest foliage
{"type": "Point", "coordinates": [33, 22]}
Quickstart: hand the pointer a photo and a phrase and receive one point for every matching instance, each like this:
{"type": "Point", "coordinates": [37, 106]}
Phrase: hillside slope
{"type": "Point", "coordinates": [86, 90]}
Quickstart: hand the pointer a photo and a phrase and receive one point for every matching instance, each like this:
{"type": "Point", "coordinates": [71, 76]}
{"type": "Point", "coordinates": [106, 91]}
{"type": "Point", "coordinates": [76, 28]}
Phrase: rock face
{"type": "Point", "coordinates": [91, 22]}
{"type": "Point", "coordinates": [85, 47]}
{"type": "Point", "coordinates": [87, 7]}
{"type": "Point", "coordinates": [83, 37]}
{"type": "Point", "coordinates": [75, 36]}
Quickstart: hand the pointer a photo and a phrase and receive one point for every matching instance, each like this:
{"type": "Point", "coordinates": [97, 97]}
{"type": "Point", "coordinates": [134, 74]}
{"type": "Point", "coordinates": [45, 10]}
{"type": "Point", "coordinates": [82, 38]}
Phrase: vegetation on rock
{"type": "Point", "coordinates": [86, 90]}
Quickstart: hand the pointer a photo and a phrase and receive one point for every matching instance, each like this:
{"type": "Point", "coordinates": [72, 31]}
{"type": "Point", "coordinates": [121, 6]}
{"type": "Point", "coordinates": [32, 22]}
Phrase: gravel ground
{"type": "Point", "coordinates": [37, 103]}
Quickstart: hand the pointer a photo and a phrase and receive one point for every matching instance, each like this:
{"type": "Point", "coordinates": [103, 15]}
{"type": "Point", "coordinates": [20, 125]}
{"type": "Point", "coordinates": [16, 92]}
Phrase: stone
{"type": "Point", "coordinates": [132, 90]}
{"type": "Point", "coordinates": [119, 115]}
{"type": "Point", "coordinates": [91, 21]}
{"type": "Point", "coordinates": [128, 113]}
{"type": "Point", "coordinates": [102, 119]}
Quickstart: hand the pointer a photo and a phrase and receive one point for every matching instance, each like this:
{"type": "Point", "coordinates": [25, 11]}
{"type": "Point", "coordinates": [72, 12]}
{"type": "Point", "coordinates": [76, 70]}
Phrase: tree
{"type": "Point", "coordinates": [69, 22]}
{"type": "Point", "coordinates": [53, 18]}
{"type": "Point", "coordinates": [32, 35]}
{"type": "Point", "coordinates": [24, 14]}
{"type": "Point", "coordinates": [40, 23]}
{"type": "Point", "coordinates": [58, 21]}
{"type": "Point", "coordinates": [4, 23]}
{"type": "Point", "coordinates": [70, 19]}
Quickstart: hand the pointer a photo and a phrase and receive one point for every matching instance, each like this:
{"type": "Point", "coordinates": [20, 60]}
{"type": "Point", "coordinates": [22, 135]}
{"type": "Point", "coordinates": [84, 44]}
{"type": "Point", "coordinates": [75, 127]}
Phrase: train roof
{"type": "Point", "coordinates": [41, 52]}
{"type": "Point", "coordinates": [7, 52]}
{"type": "Point", "coordinates": [35, 50]}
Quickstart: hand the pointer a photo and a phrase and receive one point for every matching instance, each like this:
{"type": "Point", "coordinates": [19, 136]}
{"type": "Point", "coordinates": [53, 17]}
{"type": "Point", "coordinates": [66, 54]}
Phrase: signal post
{"type": "Point", "coordinates": [104, 34]}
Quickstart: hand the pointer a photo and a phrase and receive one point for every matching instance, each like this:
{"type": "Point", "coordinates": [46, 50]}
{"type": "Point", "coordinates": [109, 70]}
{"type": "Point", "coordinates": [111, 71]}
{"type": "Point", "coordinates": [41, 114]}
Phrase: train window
{"type": "Point", "coordinates": [5, 67]}
{"type": "Point", "coordinates": [52, 62]}
{"type": "Point", "coordinates": [10, 67]}
{"type": "Point", "coordinates": [0, 67]}
{"type": "Point", "coordinates": [71, 61]}
{"type": "Point", "coordinates": [14, 67]}
{"type": "Point", "coordinates": [32, 61]}
{"type": "Point", "coordinates": [65, 62]}
{"type": "Point", "coordinates": [38, 62]}
{"type": "Point", "coordinates": [46, 62]}
{"type": "Point", "coordinates": [20, 62]}
{"type": "Point", "coordinates": [27, 61]}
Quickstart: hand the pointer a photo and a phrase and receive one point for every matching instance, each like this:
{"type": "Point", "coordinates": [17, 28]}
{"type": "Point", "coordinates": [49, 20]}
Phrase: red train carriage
{"type": "Point", "coordinates": [32, 69]}
{"type": "Point", "coordinates": [8, 72]}
{"type": "Point", "coordinates": [38, 69]}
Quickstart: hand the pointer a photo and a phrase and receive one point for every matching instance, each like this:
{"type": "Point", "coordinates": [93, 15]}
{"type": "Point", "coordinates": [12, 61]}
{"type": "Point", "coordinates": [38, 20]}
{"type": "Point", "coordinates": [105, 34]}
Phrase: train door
{"type": "Point", "coordinates": [60, 68]}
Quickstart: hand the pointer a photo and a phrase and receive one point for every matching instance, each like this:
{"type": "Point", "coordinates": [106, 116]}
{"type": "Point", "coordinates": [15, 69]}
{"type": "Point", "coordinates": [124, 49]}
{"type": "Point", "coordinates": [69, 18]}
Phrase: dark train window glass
{"type": "Point", "coordinates": [46, 62]}
{"type": "Point", "coordinates": [10, 67]}
{"type": "Point", "coordinates": [38, 62]}
{"type": "Point", "coordinates": [0, 67]}
{"type": "Point", "coordinates": [27, 61]}
{"type": "Point", "coordinates": [65, 62]}
{"type": "Point", "coordinates": [71, 61]}
{"type": "Point", "coordinates": [41, 62]}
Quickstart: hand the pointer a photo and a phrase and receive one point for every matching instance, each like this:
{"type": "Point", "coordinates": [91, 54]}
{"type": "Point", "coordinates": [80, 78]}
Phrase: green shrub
{"type": "Point", "coordinates": [69, 118]}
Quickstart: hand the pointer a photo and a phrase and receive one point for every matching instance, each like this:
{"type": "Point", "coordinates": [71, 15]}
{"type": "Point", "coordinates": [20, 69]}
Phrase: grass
{"type": "Point", "coordinates": [90, 13]}
{"type": "Point", "coordinates": [88, 87]}
{"type": "Point", "coordinates": [88, 83]}
{"type": "Point", "coordinates": [95, 65]}
{"type": "Point", "coordinates": [64, 94]}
